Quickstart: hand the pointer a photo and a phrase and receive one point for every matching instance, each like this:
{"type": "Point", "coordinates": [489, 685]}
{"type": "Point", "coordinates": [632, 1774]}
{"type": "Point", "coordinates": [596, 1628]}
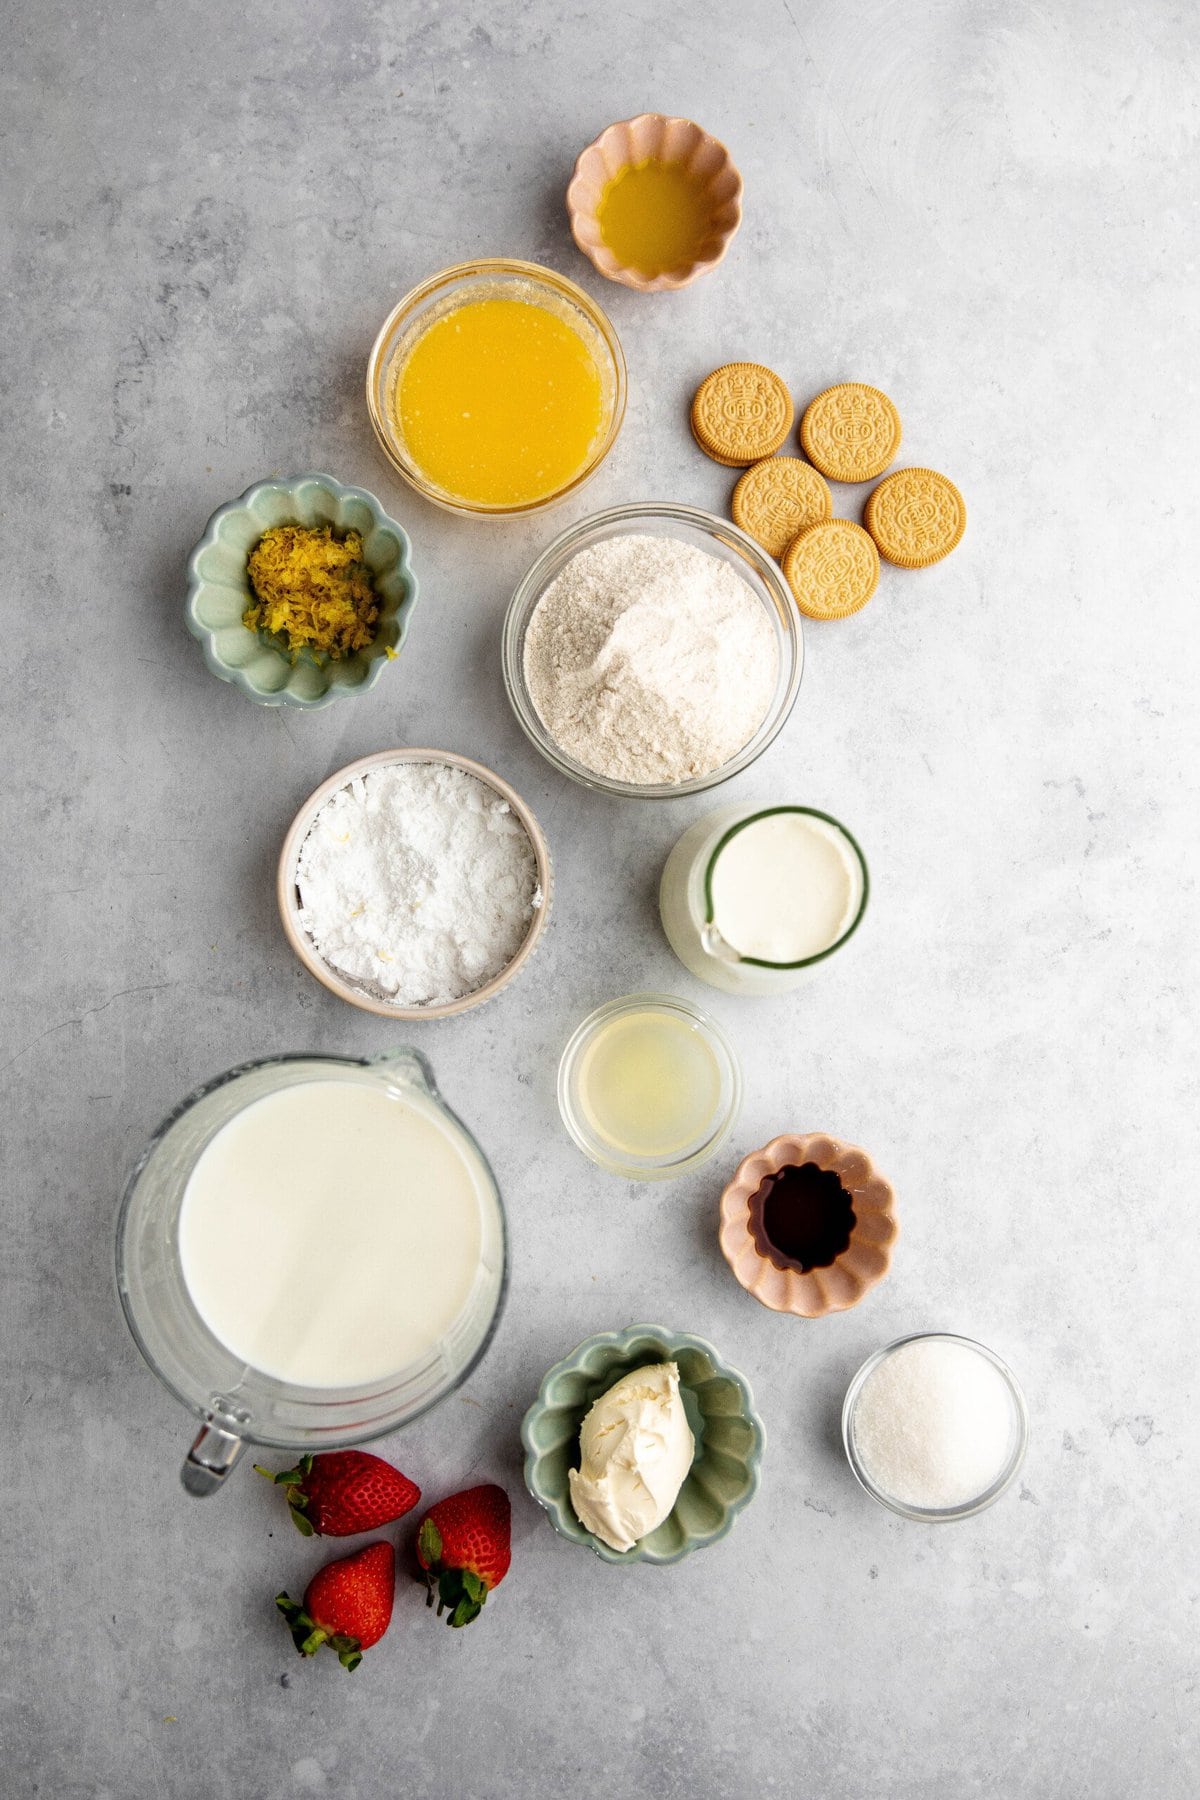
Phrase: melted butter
{"type": "Point", "coordinates": [500, 402]}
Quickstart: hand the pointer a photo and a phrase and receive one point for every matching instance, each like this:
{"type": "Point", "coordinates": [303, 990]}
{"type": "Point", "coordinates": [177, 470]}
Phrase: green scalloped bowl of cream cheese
{"type": "Point", "coordinates": [730, 1437]}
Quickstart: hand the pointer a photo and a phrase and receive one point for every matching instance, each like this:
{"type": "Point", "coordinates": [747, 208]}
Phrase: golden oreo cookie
{"type": "Point", "coordinates": [741, 412]}
{"type": "Point", "coordinates": [777, 499]}
{"type": "Point", "coordinates": [832, 569]}
{"type": "Point", "coordinates": [850, 432]}
{"type": "Point", "coordinates": [916, 517]}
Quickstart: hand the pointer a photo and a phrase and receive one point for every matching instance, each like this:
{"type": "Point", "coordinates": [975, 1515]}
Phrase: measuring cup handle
{"type": "Point", "coordinates": [210, 1459]}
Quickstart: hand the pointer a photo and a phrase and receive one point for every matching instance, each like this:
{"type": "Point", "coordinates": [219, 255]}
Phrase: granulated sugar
{"type": "Point", "coordinates": [933, 1424]}
{"type": "Point", "coordinates": [649, 660]}
{"type": "Point", "coordinates": [418, 881]}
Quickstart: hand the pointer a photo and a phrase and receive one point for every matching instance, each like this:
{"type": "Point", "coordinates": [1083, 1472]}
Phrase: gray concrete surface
{"type": "Point", "coordinates": [987, 210]}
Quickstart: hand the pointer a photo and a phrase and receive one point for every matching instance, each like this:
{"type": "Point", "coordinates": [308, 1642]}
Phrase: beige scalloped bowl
{"type": "Point", "coordinates": [652, 137]}
{"type": "Point", "coordinates": [866, 1258]}
{"type": "Point", "coordinates": [288, 893]}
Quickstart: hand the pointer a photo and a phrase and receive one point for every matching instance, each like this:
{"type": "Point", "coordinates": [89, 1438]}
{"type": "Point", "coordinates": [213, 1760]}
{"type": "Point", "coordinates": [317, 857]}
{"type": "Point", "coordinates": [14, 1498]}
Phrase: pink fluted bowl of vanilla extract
{"type": "Point", "coordinates": [808, 1224]}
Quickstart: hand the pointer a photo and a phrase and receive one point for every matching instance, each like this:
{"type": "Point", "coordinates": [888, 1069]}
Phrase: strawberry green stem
{"type": "Point", "coordinates": [308, 1636]}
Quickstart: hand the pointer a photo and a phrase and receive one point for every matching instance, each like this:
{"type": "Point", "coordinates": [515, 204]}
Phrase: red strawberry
{"type": "Point", "coordinates": [344, 1492]}
{"type": "Point", "coordinates": [463, 1546]}
{"type": "Point", "coordinates": [347, 1605]}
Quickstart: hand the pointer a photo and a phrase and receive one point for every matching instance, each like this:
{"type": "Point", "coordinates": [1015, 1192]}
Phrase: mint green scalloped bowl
{"type": "Point", "coordinates": [219, 591]}
{"type": "Point", "coordinates": [729, 1435]}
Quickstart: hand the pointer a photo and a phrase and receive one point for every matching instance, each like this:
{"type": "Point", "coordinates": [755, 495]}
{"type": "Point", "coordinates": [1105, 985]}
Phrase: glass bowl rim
{"type": "Point", "coordinates": [481, 267]}
{"type": "Point", "coordinates": [631, 1167]}
{"type": "Point", "coordinates": [536, 580]}
{"type": "Point", "coordinates": [992, 1493]}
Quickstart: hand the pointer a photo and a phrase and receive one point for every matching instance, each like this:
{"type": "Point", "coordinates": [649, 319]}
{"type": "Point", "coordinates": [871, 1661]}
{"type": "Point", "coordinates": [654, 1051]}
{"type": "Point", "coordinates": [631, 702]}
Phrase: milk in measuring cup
{"type": "Point", "coordinates": [330, 1233]}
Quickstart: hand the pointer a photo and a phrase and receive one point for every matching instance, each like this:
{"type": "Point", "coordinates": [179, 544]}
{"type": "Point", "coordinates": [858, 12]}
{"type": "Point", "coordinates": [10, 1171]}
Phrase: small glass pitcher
{"type": "Point", "coordinates": [686, 909]}
{"type": "Point", "coordinates": [235, 1403]}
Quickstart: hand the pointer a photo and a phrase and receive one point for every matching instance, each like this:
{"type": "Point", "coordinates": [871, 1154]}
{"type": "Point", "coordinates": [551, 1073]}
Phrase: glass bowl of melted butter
{"type": "Point", "coordinates": [496, 387]}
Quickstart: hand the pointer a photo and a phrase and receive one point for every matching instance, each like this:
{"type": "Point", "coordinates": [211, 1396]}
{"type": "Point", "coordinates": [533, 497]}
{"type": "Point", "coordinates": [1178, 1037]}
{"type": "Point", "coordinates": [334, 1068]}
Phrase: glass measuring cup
{"type": "Point", "coordinates": [236, 1403]}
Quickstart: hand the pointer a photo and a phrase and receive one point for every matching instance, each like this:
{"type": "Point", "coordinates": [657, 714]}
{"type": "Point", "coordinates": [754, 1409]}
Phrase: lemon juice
{"type": "Point", "coordinates": [649, 1084]}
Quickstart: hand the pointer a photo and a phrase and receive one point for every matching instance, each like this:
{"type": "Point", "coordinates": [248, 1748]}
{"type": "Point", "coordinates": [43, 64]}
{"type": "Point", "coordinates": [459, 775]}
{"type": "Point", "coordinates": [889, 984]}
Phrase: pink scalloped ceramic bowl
{"type": "Point", "coordinates": [652, 137]}
{"type": "Point", "coordinates": [866, 1258]}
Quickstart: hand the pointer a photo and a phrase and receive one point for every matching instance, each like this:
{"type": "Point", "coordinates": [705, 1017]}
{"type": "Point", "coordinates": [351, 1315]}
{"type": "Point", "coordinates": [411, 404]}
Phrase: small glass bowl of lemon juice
{"type": "Point", "coordinates": [649, 1087]}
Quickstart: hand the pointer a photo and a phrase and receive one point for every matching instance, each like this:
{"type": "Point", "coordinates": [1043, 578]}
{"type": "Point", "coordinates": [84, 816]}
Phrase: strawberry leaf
{"type": "Point", "coordinates": [466, 1610]}
{"type": "Point", "coordinates": [287, 1477]}
{"type": "Point", "coordinates": [429, 1544]}
{"type": "Point", "coordinates": [289, 1608]}
{"type": "Point", "coordinates": [461, 1593]}
{"type": "Point", "coordinates": [307, 1635]}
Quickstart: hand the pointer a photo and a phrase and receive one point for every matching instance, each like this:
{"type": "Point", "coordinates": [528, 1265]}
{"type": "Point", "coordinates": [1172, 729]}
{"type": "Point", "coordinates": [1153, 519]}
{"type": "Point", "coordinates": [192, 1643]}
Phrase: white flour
{"type": "Point", "coordinates": [418, 881]}
{"type": "Point", "coordinates": [649, 660]}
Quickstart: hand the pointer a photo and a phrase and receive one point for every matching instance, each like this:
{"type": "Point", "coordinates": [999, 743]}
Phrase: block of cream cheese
{"type": "Point", "coordinates": [636, 1449]}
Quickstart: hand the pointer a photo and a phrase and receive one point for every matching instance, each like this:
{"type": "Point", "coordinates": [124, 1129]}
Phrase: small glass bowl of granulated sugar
{"type": "Point", "coordinates": [414, 884]}
{"type": "Point", "coordinates": [652, 650]}
{"type": "Point", "coordinates": [935, 1427]}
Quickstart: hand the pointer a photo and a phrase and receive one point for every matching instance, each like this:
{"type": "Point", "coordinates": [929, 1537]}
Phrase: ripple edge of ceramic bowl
{"type": "Point", "coordinates": [653, 137]}
{"type": "Point", "coordinates": [218, 591]}
{"type": "Point", "coordinates": [729, 1458]}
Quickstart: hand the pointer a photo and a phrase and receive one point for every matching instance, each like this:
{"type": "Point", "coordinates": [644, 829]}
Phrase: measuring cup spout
{"type": "Point", "coordinates": [718, 946]}
{"type": "Point", "coordinates": [210, 1459]}
{"type": "Point", "coordinates": [408, 1067]}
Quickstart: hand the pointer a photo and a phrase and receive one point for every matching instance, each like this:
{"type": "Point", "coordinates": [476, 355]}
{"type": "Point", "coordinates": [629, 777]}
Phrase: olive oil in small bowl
{"type": "Point", "coordinates": [654, 202]}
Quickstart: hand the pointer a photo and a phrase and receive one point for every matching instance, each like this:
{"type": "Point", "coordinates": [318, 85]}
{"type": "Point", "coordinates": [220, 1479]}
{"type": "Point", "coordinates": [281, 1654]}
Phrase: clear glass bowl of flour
{"type": "Point", "coordinates": [702, 531]}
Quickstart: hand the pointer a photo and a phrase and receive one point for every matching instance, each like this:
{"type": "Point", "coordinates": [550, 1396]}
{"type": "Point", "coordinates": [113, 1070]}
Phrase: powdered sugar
{"type": "Point", "coordinates": [418, 881]}
{"type": "Point", "coordinates": [650, 660]}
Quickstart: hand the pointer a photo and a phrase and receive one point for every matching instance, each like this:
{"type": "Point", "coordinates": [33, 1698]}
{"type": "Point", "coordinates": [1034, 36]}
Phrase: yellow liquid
{"type": "Point", "coordinates": [500, 402]}
{"type": "Point", "coordinates": [649, 1084]}
{"type": "Point", "coordinates": [654, 217]}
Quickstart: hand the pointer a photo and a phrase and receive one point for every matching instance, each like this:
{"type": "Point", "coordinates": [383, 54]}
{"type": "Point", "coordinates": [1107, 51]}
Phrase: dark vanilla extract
{"type": "Point", "coordinates": [801, 1217]}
